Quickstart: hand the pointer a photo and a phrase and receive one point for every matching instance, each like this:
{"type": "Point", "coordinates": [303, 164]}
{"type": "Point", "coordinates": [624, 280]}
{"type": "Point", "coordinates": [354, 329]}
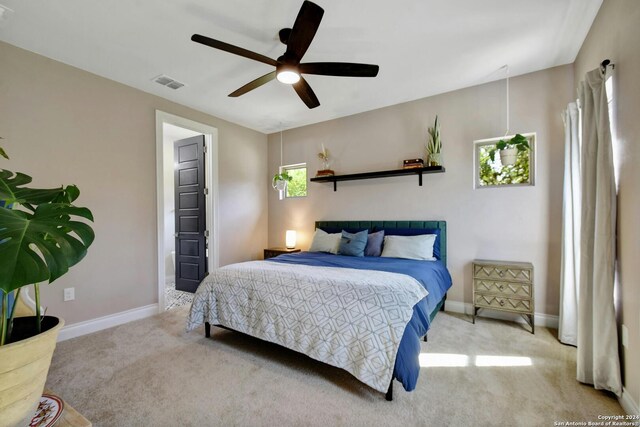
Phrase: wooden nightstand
{"type": "Point", "coordinates": [271, 252]}
{"type": "Point", "coordinates": [505, 286]}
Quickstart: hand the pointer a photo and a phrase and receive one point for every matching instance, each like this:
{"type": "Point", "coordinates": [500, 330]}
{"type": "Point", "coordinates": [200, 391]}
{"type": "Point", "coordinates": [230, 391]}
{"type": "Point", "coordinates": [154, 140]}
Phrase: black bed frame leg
{"type": "Point", "coordinates": [389, 395]}
{"type": "Point", "coordinates": [207, 329]}
{"type": "Point", "coordinates": [444, 300]}
{"type": "Point", "coordinates": [425, 338]}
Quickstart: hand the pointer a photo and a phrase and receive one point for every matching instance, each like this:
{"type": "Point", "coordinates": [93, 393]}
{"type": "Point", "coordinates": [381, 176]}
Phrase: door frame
{"type": "Point", "coordinates": [211, 182]}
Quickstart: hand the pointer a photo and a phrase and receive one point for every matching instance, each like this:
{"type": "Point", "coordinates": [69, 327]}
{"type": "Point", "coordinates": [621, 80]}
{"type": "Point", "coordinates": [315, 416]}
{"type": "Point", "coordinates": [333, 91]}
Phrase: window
{"type": "Point", "coordinates": [297, 187]}
{"type": "Point", "coordinates": [492, 173]}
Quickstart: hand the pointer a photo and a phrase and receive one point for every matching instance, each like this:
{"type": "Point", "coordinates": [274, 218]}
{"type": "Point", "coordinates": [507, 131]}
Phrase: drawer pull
{"type": "Point", "coordinates": [500, 273]}
{"type": "Point", "coordinates": [501, 287]}
{"type": "Point", "coordinates": [501, 302]}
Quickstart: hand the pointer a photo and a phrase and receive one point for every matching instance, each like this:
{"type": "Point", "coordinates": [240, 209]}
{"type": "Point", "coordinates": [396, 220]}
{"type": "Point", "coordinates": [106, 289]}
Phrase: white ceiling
{"type": "Point", "coordinates": [423, 47]}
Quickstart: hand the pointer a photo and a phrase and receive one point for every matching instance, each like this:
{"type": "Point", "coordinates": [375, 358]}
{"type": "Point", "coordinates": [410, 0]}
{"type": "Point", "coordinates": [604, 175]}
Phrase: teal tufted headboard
{"type": "Point", "coordinates": [387, 225]}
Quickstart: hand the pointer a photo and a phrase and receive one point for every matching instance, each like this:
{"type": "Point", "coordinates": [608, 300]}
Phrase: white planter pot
{"type": "Point", "coordinates": [435, 159]}
{"type": "Point", "coordinates": [508, 156]}
{"type": "Point", "coordinates": [280, 185]}
{"type": "Point", "coordinates": [23, 371]}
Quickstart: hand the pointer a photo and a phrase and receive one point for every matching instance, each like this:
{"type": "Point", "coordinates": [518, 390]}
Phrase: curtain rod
{"type": "Point", "coordinates": [604, 64]}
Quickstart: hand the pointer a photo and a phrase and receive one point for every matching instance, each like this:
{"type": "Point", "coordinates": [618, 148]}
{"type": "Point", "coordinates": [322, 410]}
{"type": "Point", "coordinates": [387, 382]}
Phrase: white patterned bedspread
{"type": "Point", "coordinates": [352, 319]}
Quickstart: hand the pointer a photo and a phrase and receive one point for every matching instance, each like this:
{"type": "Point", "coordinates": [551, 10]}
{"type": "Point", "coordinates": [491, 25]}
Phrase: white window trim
{"type": "Point", "coordinates": [282, 194]}
{"type": "Point", "coordinates": [531, 136]}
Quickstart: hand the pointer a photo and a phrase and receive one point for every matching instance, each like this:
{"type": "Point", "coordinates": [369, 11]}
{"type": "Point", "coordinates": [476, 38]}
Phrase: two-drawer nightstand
{"type": "Point", "coordinates": [505, 286]}
{"type": "Point", "coordinates": [271, 252]}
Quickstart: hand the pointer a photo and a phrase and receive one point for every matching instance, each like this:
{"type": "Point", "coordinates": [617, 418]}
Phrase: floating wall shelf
{"type": "Point", "coordinates": [379, 174]}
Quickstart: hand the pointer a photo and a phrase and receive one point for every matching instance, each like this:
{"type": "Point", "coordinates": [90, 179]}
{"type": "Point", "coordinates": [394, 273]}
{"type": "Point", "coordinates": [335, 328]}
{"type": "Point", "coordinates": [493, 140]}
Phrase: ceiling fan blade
{"type": "Point", "coordinates": [341, 69]}
{"type": "Point", "coordinates": [303, 30]}
{"type": "Point", "coordinates": [216, 44]}
{"type": "Point", "coordinates": [306, 93]}
{"type": "Point", "coordinates": [254, 84]}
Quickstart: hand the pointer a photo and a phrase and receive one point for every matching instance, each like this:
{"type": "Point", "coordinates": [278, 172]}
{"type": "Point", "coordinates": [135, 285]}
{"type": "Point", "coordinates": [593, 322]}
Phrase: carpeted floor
{"type": "Point", "coordinates": [152, 373]}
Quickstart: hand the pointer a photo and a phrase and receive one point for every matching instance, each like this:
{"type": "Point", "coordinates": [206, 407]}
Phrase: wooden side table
{"type": "Point", "coordinates": [273, 252]}
{"type": "Point", "coordinates": [504, 286]}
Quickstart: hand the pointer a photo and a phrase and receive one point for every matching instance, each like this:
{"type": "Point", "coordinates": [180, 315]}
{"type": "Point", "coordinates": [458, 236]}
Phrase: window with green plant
{"type": "Point", "coordinates": [494, 168]}
{"type": "Point", "coordinates": [297, 185]}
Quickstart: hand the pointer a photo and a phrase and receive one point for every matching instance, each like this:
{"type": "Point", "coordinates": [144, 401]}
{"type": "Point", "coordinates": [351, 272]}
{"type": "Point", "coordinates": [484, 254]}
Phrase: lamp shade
{"type": "Point", "coordinates": [290, 239]}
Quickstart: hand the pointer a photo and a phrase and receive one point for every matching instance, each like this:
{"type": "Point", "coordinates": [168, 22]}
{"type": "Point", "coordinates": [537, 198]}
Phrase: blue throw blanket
{"type": "Point", "coordinates": [432, 275]}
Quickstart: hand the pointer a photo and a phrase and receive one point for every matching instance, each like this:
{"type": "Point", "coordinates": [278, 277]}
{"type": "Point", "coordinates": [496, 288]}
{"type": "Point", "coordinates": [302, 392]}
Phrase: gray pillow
{"type": "Point", "coordinates": [353, 244]}
{"type": "Point", "coordinates": [374, 244]}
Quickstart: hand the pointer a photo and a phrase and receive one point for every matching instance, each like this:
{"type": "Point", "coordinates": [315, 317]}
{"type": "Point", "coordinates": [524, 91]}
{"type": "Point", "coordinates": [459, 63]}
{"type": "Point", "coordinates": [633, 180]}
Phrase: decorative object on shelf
{"type": "Point", "coordinates": [509, 149]}
{"type": "Point", "coordinates": [412, 163]}
{"type": "Point", "coordinates": [290, 239]}
{"type": "Point", "coordinates": [434, 146]}
{"type": "Point", "coordinates": [40, 239]}
{"type": "Point", "coordinates": [379, 174]}
{"type": "Point", "coordinates": [324, 156]}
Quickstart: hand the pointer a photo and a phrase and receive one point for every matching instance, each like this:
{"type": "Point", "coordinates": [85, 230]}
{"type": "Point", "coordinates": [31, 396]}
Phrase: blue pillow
{"type": "Point", "coordinates": [417, 232]}
{"type": "Point", "coordinates": [353, 244]}
{"type": "Point", "coordinates": [374, 244]}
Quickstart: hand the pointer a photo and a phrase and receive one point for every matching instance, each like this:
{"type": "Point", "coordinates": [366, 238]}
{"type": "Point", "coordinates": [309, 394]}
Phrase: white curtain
{"type": "Point", "coordinates": [597, 354]}
{"type": "Point", "coordinates": [570, 275]}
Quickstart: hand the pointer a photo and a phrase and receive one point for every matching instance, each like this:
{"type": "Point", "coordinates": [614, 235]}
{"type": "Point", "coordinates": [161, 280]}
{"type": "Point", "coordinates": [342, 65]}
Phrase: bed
{"type": "Point", "coordinates": [366, 315]}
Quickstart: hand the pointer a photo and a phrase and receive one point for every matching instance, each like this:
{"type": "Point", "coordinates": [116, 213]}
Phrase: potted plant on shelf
{"type": "Point", "coordinates": [40, 239]}
{"type": "Point", "coordinates": [509, 149]}
{"type": "Point", "coordinates": [280, 180]}
{"type": "Point", "coordinates": [434, 146]}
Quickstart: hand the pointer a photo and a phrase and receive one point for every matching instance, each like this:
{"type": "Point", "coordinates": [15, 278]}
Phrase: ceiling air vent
{"type": "Point", "coordinates": [168, 82]}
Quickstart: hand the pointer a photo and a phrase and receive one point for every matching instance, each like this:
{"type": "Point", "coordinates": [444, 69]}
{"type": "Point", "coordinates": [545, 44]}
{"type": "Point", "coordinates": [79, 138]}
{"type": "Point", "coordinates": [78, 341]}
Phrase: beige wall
{"type": "Point", "coordinates": [520, 224]}
{"type": "Point", "coordinates": [62, 125]}
{"type": "Point", "coordinates": [615, 35]}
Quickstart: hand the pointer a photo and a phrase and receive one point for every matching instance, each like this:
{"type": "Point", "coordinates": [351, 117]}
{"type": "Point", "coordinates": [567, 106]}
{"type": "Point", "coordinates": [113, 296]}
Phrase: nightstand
{"type": "Point", "coordinates": [504, 286]}
{"type": "Point", "coordinates": [271, 252]}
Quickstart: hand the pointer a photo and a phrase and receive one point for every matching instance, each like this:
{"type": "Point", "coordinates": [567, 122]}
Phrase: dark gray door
{"type": "Point", "coordinates": [190, 213]}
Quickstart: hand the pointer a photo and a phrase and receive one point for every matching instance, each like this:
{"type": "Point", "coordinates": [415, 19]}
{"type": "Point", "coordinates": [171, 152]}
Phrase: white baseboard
{"type": "Point", "coordinates": [540, 319]}
{"type": "Point", "coordinates": [109, 321]}
{"type": "Point", "coordinates": [628, 404]}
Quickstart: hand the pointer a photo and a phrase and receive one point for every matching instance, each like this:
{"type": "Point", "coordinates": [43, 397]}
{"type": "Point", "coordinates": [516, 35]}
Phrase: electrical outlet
{"type": "Point", "coordinates": [69, 294]}
{"type": "Point", "coordinates": [625, 336]}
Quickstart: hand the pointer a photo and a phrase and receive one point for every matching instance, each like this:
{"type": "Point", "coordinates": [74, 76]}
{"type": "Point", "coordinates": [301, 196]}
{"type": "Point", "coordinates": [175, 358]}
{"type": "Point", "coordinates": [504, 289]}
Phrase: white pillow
{"type": "Point", "coordinates": [410, 247]}
{"type": "Point", "coordinates": [325, 242]}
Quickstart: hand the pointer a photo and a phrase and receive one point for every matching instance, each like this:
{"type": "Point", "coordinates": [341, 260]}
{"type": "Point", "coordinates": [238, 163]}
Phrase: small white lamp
{"type": "Point", "coordinates": [290, 239]}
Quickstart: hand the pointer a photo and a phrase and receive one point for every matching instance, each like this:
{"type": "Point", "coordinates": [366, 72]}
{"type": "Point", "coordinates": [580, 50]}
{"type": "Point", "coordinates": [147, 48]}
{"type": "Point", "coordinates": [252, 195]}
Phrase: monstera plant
{"type": "Point", "coordinates": [42, 235]}
{"type": "Point", "coordinates": [39, 238]}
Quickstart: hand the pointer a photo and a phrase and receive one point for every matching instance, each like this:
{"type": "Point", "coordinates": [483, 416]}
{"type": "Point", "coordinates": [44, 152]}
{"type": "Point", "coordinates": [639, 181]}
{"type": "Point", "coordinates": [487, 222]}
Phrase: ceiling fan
{"type": "Point", "coordinates": [288, 67]}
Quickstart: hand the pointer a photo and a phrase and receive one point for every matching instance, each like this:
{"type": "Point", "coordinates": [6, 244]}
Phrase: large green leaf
{"type": "Point", "coordinates": [12, 190]}
{"type": "Point", "coordinates": [41, 245]}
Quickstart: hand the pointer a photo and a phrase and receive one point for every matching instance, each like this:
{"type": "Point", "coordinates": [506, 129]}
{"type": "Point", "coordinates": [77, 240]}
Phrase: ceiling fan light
{"type": "Point", "coordinates": [288, 77]}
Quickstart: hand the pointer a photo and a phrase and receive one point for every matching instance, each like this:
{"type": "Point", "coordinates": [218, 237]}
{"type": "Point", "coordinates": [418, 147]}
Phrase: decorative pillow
{"type": "Point", "coordinates": [374, 244]}
{"type": "Point", "coordinates": [409, 247]}
{"type": "Point", "coordinates": [416, 232]}
{"type": "Point", "coordinates": [325, 242]}
{"type": "Point", "coordinates": [353, 244]}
